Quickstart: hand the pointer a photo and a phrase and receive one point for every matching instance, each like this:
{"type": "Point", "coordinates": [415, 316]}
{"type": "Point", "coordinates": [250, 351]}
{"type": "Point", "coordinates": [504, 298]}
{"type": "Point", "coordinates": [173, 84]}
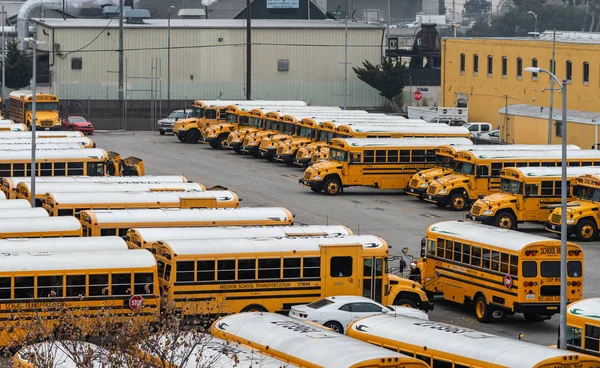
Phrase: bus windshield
{"type": "Point", "coordinates": [464, 168]}
{"type": "Point", "coordinates": [197, 112]}
{"type": "Point", "coordinates": [255, 122]}
{"type": "Point", "coordinates": [325, 136]}
{"type": "Point", "coordinates": [337, 154]}
{"type": "Point", "coordinates": [231, 118]}
{"type": "Point", "coordinates": [287, 128]}
{"type": "Point", "coordinates": [43, 106]}
{"type": "Point", "coordinates": [511, 186]}
{"type": "Point", "coordinates": [271, 125]}
{"type": "Point", "coordinates": [444, 161]}
{"type": "Point", "coordinates": [587, 193]}
{"type": "Point", "coordinates": [307, 132]}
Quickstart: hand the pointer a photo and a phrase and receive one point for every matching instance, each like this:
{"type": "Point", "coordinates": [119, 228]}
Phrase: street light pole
{"type": "Point", "coordinates": [346, 57]}
{"type": "Point", "coordinates": [535, 27]}
{"type": "Point", "coordinates": [3, 60]}
{"type": "Point", "coordinates": [33, 118]}
{"type": "Point", "coordinates": [169, 59]}
{"type": "Point", "coordinates": [562, 342]}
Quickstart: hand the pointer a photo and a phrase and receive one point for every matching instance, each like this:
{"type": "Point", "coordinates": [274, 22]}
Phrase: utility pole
{"type": "Point", "coordinates": [308, 10]}
{"type": "Point", "coordinates": [3, 60]}
{"type": "Point", "coordinates": [552, 70]}
{"type": "Point", "coordinates": [389, 7]}
{"type": "Point", "coordinates": [346, 58]}
{"type": "Point", "coordinates": [121, 94]}
{"type": "Point", "coordinates": [248, 50]}
{"type": "Point", "coordinates": [169, 59]}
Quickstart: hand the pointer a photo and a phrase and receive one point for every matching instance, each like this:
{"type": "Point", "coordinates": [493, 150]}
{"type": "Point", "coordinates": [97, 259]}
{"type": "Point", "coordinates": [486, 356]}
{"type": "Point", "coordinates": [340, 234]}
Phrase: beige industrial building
{"type": "Point", "coordinates": [291, 59]}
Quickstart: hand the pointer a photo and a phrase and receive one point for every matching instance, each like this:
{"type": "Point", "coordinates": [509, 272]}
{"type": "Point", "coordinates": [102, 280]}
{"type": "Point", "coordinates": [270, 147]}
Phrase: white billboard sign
{"type": "Point", "coordinates": [283, 4]}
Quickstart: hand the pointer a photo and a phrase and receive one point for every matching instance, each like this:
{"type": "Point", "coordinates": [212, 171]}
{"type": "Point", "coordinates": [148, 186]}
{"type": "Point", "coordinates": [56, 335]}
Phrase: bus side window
{"type": "Point", "coordinates": [547, 188]}
{"type": "Point", "coordinates": [440, 247]}
{"type": "Point", "coordinates": [226, 270]}
{"type": "Point", "coordinates": [5, 171]}
{"type": "Point", "coordinates": [485, 259]}
{"type": "Point", "coordinates": [483, 171]}
{"type": "Point", "coordinates": [404, 156]}
{"type": "Point", "coordinates": [380, 156]}
{"type": "Point", "coordinates": [457, 251]}
{"type": "Point", "coordinates": [291, 268]}
{"type": "Point", "coordinates": [449, 246]}
{"type": "Point", "coordinates": [355, 157]}
{"type": "Point", "coordinates": [5, 287]}
{"type": "Point", "coordinates": [495, 260]}
{"type": "Point", "coordinates": [592, 338]}
{"type": "Point", "coordinates": [185, 271]}
{"type": "Point", "coordinates": [75, 168]}
{"type": "Point", "coordinates": [98, 285]}
{"type": "Point", "coordinates": [59, 169]}
{"type": "Point", "coordinates": [424, 358]}
{"type": "Point", "coordinates": [441, 364]}
{"type": "Point", "coordinates": [340, 267]}
{"type": "Point", "coordinates": [431, 247]}
{"type": "Point", "coordinates": [269, 268]}
{"type": "Point", "coordinates": [121, 284]}
{"type": "Point", "coordinates": [393, 156]}
{"type": "Point", "coordinates": [532, 190]}
{"type": "Point", "coordinates": [46, 169]}
{"type": "Point", "coordinates": [574, 336]}
{"type": "Point", "coordinates": [143, 283]}
{"type": "Point", "coordinates": [466, 254]}
{"type": "Point", "coordinates": [205, 270]}
{"type": "Point", "coordinates": [504, 262]}
{"type": "Point", "coordinates": [311, 267]}
{"type": "Point", "coordinates": [496, 168]}
{"type": "Point", "coordinates": [75, 285]}
{"type": "Point", "coordinates": [514, 265]}
{"type": "Point", "coordinates": [23, 287]}
{"type": "Point", "coordinates": [246, 269]}
{"type": "Point", "coordinates": [49, 286]}
{"type": "Point", "coordinates": [369, 156]}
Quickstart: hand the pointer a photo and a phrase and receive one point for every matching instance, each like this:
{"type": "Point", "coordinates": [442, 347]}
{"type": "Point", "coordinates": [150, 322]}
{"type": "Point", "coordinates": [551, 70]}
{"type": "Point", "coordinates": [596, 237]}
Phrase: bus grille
{"type": "Point", "coordinates": [246, 141]}
{"type": "Point", "coordinates": [230, 138]}
{"type": "Point", "coordinates": [475, 210]}
{"type": "Point", "coordinates": [414, 183]}
{"type": "Point", "coordinates": [47, 123]}
{"type": "Point", "coordinates": [550, 290]}
{"type": "Point", "coordinates": [280, 150]}
{"type": "Point", "coordinates": [431, 189]}
{"type": "Point", "coordinates": [556, 218]}
{"type": "Point", "coordinates": [306, 175]}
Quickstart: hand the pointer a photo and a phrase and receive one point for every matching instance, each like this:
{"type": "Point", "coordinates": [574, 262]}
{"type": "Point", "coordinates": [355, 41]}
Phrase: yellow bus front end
{"type": "Point", "coordinates": [271, 126]}
{"type": "Point", "coordinates": [307, 131]}
{"type": "Point", "coordinates": [236, 138]}
{"type": "Point", "coordinates": [268, 146]}
{"type": "Point", "coordinates": [216, 135]}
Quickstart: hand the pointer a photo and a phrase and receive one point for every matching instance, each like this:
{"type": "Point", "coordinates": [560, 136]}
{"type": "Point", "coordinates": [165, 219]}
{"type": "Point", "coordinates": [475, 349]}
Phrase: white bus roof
{"type": "Point", "coordinates": [112, 187]}
{"type": "Point", "coordinates": [556, 172]}
{"type": "Point", "coordinates": [587, 308]}
{"type": "Point", "coordinates": [457, 341]}
{"type": "Point", "coordinates": [2, 196]}
{"type": "Point", "coordinates": [41, 147]}
{"type": "Point", "coordinates": [18, 128]}
{"type": "Point", "coordinates": [485, 234]}
{"type": "Point", "coordinates": [178, 215]}
{"type": "Point", "coordinates": [234, 232]}
{"type": "Point", "coordinates": [401, 128]}
{"type": "Point", "coordinates": [6, 121]}
{"type": "Point", "coordinates": [254, 102]}
{"type": "Point", "coordinates": [100, 179]}
{"type": "Point", "coordinates": [63, 261]}
{"type": "Point", "coordinates": [14, 203]}
{"type": "Point", "coordinates": [61, 353]}
{"type": "Point", "coordinates": [41, 224]}
{"type": "Point", "coordinates": [39, 134]}
{"type": "Point", "coordinates": [512, 147]}
{"type": "Point", "coordinates": [48, 140]}
{"type": "Point", "coordinates": [305, 342]}
{"type": "Point", "coordinates": [23, 213]}
{"type": "Point", "coordinates": [403, 142]}
{"type": "Point", "coordinates": [65, 198]}
{"type": "Point", "coordinates": [268, 245]}
{"type": "Point", "coordinates": [541, 154]}
{"type": "Point", "coordinates": [68, 244]}
{"type": "Point", "coordinates": [53, 154]}
{"type": "Point", "coordinates": [23, 92]}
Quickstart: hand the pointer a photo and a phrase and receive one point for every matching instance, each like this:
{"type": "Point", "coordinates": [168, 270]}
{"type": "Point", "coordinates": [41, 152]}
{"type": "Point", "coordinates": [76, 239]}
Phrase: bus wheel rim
{"type": "Point", "coordinates": [332, 187]}
{"type": "Point", "coordinates": [459, 202]}
{"type": "Point", "coordinates": [586, 231]}
{"type": "Point", "coordinates": [407, 305]}
{"type": "Point", "coordinates": [480, 309]}
{"type": "Point", "coordinates": [505, 223]}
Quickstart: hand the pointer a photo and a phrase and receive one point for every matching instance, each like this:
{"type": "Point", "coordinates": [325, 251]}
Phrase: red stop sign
{"type": "Point", "coordinates": [417, 96]}
{"type": "Point", "coordinates": [136, 302]}
{"type": "Point", "coordinates": [508, 281]}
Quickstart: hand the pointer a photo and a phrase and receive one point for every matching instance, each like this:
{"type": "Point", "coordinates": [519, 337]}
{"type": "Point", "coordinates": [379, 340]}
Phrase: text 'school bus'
{"type": "Point", "coordinates": [478, 173]}
{"type": "Point", "coordinates": [42, 134]}
{"type": "Point", "coordinates": [380, 163]}
{"type": "Point", "coordinates": [78, 244]}
{"type": "Point", "coordinates": [9, 184]}
{"type": "Point", "coordinates": [305, 344]}
{"type": "Point", "coordinates": [69, 204]}
{"type": "Point", "coordinates": [117, 222]}
{"type": "Point", "coordinates": [583, 217]}
{"type": "Point", "coordinates": [89, 283]}
{"type": "Point", "coordinates": [24, 188]}
{"type": "Point", "coordinates": [273, 274]}
{"type": "Point", "coordinates": [443, 345]}
{"type": "Point", "coordinates": [527, 194]}
{"type": "Point", "coordinates": [14, 203]}
{"type": "Point", "coordinates": [20, 109]}
{"type": "Point", "coordinates": [87, 161]}
{"type": "Point", "coordinates": [445, 163]}
{"type": "Point", "coordinates": [8, 213]}
{"type": "Point", "coordinates": [583, 326]}
{"type": "Point", "coordinates": [143, 238]}
{"type": "Point", "coordinates": [42, 227]}
{"type": "Point", "coordinates": [501, 271]}
{"type": "Point", "coordinates": [208, 112]}
{"type": "Point", "coordinates": [85, 142]}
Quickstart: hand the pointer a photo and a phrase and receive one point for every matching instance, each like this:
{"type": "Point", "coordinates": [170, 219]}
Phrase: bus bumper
{"type": "Point", "coordinates": [302, 163]}
{"type": "Point", "coordinates": [571, 229]}
{"type": "Point", "coordinates": [253, 150]}
{"type": "Point", "coordinates": [268, 154]}
{"type": "Point", "coordinates": [210, 141]}
{"type": "Point", "coordinates": [487, 220]}
{"type": "Point", "coordinates": [180, 133]}
{"type": "Point", "coordinates": [45, 129]}
{"type": "Point", "coordinates": [540, 309]}
{"type": "Point", "coordinates": [441, 199]}
{"type": "Point", "coordinates": [312, 184]}
{"type": "Point", "coordinates": [417, 192]}
{"type": "Point", "coordinates": [284, 158]}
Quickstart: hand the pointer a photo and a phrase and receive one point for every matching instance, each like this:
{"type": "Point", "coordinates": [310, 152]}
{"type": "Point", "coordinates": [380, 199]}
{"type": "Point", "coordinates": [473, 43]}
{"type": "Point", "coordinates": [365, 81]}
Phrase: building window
{"type": "Point", "coordinates": [534, 63]}
{"type": "Point", "coordinates": [490, 65]}
{"type": "Point", "coordinates": [519, 68]}
{"type": "Point", "coordinates": [569, 70]}
{"type": "Point", "coordinates": [461, 102]}
{"type": "Point", "coordinates": [558, 128]}
{"type": "Point", "coordinates": [586, 72]}
{"type": "Point", "coordinates": [475, 64]}
{"type": "Point", "coordinates": [504, 67]}
{"type": "Point", "coordinates": [76, 63]}
{"type": "Point", "coordinates": [462, 63]}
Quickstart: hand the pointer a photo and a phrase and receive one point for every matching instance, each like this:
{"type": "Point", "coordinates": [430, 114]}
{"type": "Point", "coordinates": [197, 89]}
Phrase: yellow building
{"type": "Point", "coordinates": [487, 75]}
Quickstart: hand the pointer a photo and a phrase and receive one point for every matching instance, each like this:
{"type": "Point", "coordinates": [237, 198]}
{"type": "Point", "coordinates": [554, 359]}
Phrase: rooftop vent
{"type": "Point", "coordinates": [112, 11]}
{"type": "Point", "coordinates": [136, 16]}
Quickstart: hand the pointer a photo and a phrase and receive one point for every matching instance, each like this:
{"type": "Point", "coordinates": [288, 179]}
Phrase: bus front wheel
{"type": "Point", "coordinates": [482, 309]}
{"type": "Point", "coordinates": [458, 201]}
{"type": "Point", "coordinates": [404, 302]}
{"type": "Point", "coordinates": [586, 230]}
{"type": "Point", "coordinates": [254, 308]}
{"type": "Point", "coordinates": [193, 136]}
{"type": "Point", "coordinates": [505, 220]}
{"type": "Point", "coordinates": [332, 186]}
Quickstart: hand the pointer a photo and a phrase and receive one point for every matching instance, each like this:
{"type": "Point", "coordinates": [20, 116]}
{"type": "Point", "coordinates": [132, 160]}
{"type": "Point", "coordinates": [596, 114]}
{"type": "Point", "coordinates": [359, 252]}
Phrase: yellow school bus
{"type": "Point", "coordinates": [236, 138]}
{"type": "Point", "coordinates": [304, 344]}
{"type": "Point", "coordinates": [502, 272]}
{"type": "Point", "coordinates": [236, 117]}
{"type": "Point", "coordinates": [85, 161]}
{"type": "Point", "coordinates": [13, 128]}
{"type": "Point", "coordinates": [70, 204]}
{"type": "Point", "coordinates": [583, 324]}
{"type": "Point", "coordinates": [478, 173]}
{"type": "Point", "coordinates": [117, 222]}
{"type": "Point", "coordinates": [527, 194]}
{"type": "Point", "coordinates": [271, 125]}
{"type": "Point", "coordinates": [42, 227]}
{"type": "Point", "coordinates": [325, 133]}
{"type": "Point", "coordinates": [445, 163]}
{"type": "Point", "coordinates": [583, 218]}
{"type": "Point", "coordinates": [37, 287]}
{"type": "Point", "coordinates": [188, 130]}
{"type": "Point", "coordinates": [273, 274]}
{"type": "Point", "coordinates": [380, 163]}
{"type": "Point", "coordinates": [20, 104]}
{"type": "Point", "coordinates": [444, 345]}
{"type": "Point", "coordinates": [84, 142]}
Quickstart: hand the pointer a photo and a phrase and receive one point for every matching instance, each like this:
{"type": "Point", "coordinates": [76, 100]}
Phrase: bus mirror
{"type": "Point", "coordinates": [480, 196]}
{"type": "Point", "coordinates": [405, 250]}
{"type": "Point", "coordinates": [423, 253]}
{"type": "Point", "coordinates": [423, 242]}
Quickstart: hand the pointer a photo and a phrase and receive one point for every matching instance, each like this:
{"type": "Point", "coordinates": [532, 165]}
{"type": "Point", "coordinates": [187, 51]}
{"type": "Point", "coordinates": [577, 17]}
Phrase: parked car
{"type": "Point", "coordinates": [166, 125]}
{"type": "Point", "coordinates": [491, 137]}
{"type": "Point", "coordinates": [478, 128]}
{"type": "Point", "coordinates": [336, 312]}
{"type": "Point", "coordinates": [78, 123]}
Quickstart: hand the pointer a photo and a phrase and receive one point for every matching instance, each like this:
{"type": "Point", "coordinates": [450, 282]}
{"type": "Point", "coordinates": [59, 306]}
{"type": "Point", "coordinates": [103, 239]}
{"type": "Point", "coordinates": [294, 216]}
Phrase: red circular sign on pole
{"type": "Point", "coordinates": [508, 281]}
{"type": "Point", "coordinates": [136, 302]}
{"type": "Point", "coordinates": [417, 96]}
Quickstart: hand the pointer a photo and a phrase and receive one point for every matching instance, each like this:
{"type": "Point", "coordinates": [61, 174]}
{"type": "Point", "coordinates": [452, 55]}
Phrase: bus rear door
{"type": "Point", "coordinates": [341, 269]}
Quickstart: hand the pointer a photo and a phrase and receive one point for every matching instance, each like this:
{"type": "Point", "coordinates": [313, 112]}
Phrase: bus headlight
{"type": "Point", "coordinates": [571, 222]}
{"type": "Point", "coordinates": [318, 177]}
{"type": "Point", "coordinates": [212, 135]}
{"type": "Point", "coordinates": [287, 152]}
{"type": "Point", "coordinates": [487, 212]}
{"type": "Point", "coordinates": [443, 191]}
{"type": "Point", "coordinates": [423, 185]}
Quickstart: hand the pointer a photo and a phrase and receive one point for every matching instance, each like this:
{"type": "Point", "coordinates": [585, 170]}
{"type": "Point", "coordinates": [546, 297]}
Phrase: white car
{"type": "Point", "coordinates": [490, 138]}
{"type": "Point", "coordinates": [336, 312]}
{"type": "Point", "coordinates": [166, 125]}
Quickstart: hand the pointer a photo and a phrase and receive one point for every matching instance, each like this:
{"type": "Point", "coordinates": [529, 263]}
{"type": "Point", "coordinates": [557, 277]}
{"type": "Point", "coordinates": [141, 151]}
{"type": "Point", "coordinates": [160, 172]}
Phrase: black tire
{"type": "Point", "coordinates": [254, 308]}
{"type": "Point", "coordinates": [405, 302]}
{"type": "Point", "coordinates": [533, 317]}
{"type": "Point", "coordinates": [237, 149]}
{"type": "Point", "coordinates": [220, 141]}
{"type": "Point", "coordinates": [335, 326]}
{"type": "Point", "coordinates": [193, 136]}
{"type": "Point", "coordinates": [213, 145]}
{"type": "Point", "coordinates": [483, 312]}
{"type": "Point", "coordinates": [458, 201]}
{"type": "Point", "coordinates": [505, 220]}
{"type": "Point", "coordinates": [162, 132]}
{"type": "Point", "coordinates": [441, 204]}
{"type": "Point", "coordinates": [586, 230]}
{"type": "Point", "coordinates": [181, 139]}
{"type": "Point", "coordinates": [332, 186]}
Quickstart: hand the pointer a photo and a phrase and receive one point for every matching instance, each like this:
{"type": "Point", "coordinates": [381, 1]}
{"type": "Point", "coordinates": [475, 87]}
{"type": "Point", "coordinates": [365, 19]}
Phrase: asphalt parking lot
{"type": "Point", "coordinates": [400, 219]}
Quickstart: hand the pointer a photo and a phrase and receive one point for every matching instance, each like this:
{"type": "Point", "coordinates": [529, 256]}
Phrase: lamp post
{"type": "Point", "coordinates": [3, 60]}
{"type": "Point", "coordinates": [169, 59]}
{"type": "Point", "coordinates": [33, 115]}
{"type": "Point", "coordinates": [535, 27]}
{"type": "Point", "coordinates": [562, 343]}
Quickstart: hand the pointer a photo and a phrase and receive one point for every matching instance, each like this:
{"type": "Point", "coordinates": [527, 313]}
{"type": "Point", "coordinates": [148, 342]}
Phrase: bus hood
{"type": "Point", "coordinates": [47, 116]}
{"type": "Point", "coordinates": [487, 205]}
{"type": "Point", "coordinates": [213, 131]}
{"type": "Point", "coordinates": [319, 170]}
